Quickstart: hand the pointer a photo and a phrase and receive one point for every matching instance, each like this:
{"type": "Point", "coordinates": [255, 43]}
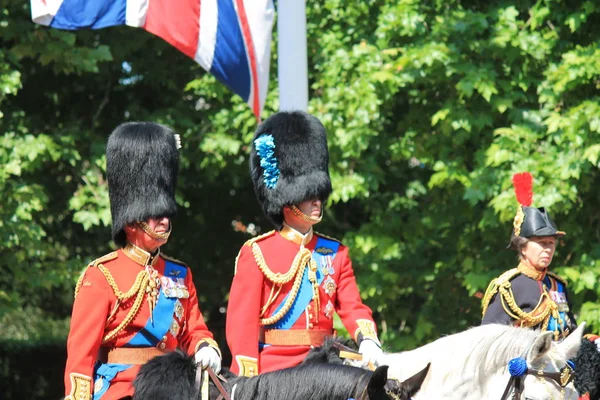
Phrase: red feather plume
{"type": "Point", "coordinates": [523, 184]}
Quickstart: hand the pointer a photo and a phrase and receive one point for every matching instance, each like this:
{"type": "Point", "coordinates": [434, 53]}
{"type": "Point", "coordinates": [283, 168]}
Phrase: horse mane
{"type": "Point", "coordinates": [498, 344]}
{"type": "Point", "coordinates": [168, 377]}
{"type": "Point", "coordinates": [334, 381]}
{"type": "Point", "coordinates": [464, 360]}
{"type": "Point", "coordinates": [327, 353]}
{"type": "Point", "coordinates": [172, 377]}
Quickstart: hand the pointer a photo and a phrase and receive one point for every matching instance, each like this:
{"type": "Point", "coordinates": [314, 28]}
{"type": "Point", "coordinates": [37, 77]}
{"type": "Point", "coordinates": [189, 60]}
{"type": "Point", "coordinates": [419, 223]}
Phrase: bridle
{"type": "Point", "coordinates": [519, 370]}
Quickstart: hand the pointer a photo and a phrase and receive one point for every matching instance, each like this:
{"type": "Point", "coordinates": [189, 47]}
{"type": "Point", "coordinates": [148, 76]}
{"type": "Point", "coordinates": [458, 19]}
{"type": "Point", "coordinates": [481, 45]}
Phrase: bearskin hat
{"type": "Point", "coordinates": [289, 162]}
{"type": "Point", "coordinates": [142, 163]}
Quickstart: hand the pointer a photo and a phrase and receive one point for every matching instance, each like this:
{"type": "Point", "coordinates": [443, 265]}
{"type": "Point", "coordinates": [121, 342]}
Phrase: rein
{"type": "Point", "coordinates": [516, 381]}
{"type": "Point", "coordinates": [217, 381]}
{"type": "Point", "coordinates": [202, 383]}
{"type": "Point", "coordinates": [351, 354]}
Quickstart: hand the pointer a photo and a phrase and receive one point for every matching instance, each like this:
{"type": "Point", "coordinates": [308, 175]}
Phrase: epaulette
{"type": "Point", "coordinates": [493, 287]}
{"type": "Point", "coordinates": [329, 237]}
{"type": "Point", "coordinates": [174, 260]}
{"type": "Point", "coordinates": [558, 278]}
{"type": "Point", "coordinates": [110, 256]}
{"type": "Point", "coordinates": [250, 242]}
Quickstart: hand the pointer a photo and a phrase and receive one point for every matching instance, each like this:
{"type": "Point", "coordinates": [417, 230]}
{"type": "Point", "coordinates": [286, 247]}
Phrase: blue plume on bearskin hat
{"type": "Point", "coordinates": [142, 164]}
{"type": "Point", "coordinates": [289, 162]}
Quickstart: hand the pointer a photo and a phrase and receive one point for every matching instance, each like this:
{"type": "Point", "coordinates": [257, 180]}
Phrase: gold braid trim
{"type": "Point", "coordinates": [329, 237]}
{"type": "Point", "coordinates": [290, 300]}
{"type": "Point", "coordinates": [79, 283]}
{"type": "Point", "coordinates": [493, 287]}
{"type": "Point", "coordinates": [558, 278]}
{"type": "Point", "coordinates": [280, 279]}
{"type": "Point", "coordinates": [176, 261]}
{"type": "Point", "coordinates": [138, 288]}
{"type": "Point", "coordinates": [249, 242]}
{"type": "Point", "coordinates": [518, 221]}
{"type": "Point", "coordinates": [107, 257]}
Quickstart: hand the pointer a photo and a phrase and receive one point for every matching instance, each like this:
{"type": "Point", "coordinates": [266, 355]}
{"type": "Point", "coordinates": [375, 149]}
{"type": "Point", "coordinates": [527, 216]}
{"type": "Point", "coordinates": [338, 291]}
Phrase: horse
{"type": "Point", "coordinates": [478, 364]}
{"type": "Point", "coordinates": [173, 376]}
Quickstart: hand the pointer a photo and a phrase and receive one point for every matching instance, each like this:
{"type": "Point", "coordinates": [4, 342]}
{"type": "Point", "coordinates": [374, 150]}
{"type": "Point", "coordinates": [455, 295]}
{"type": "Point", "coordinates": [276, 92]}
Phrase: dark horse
{"type": "Point", "coordinates": [172, 377]}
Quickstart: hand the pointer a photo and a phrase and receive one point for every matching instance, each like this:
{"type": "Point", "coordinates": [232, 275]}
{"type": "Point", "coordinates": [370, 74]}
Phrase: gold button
{"type": "Point", "coordinates": [309, 307]}
{"type": "Point", "coordinates": [311, 325]}
{"type": "Point", "coordinates": [310, 316]}
{"type": "Point", "coordinates": [162, 345]}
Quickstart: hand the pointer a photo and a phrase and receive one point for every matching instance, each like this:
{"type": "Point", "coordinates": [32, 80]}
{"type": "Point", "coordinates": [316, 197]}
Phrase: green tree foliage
{"type": "Point", "coordinates": [430, 106]}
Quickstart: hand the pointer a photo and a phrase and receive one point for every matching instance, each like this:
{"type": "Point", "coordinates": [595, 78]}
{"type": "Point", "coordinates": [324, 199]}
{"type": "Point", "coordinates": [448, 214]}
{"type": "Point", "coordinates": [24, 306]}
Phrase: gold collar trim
{"type": "Point", "coordinates": [139, 256]}
{"type": "Point", "coordinates": [293, 235]}
{"type": "Point", "coordinates": [531, 272]}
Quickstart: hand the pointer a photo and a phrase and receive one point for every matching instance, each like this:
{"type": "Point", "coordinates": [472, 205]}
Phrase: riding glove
{"type": "Point", "coordinates": [370, 351]}
{"type": "Point", "coordinates": [208, 357]}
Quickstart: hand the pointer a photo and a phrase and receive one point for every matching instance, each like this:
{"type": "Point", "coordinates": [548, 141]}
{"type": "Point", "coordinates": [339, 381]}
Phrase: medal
{"type": "Point", "coordinates": [329, 286]}
{"type": "Point", "coordinates": [328, 310]}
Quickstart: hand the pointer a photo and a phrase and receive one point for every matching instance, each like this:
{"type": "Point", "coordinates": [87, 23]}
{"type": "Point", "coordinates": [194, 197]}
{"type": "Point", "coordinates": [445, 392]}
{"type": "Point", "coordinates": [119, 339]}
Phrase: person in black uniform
{"type": "Point", "coordinates": [529, 295]}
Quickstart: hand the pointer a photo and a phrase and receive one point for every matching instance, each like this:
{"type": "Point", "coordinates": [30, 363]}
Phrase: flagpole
{"type": "Point", "coordinates": [292, 64]}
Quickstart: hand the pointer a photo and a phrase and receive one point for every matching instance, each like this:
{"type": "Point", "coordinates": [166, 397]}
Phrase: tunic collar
{"type": "Point", "coordinates": [293, 235]}
{"type": "Point", "coordinates": [140, 256]}
{"type": "Point", "coordinates": [531, 272]}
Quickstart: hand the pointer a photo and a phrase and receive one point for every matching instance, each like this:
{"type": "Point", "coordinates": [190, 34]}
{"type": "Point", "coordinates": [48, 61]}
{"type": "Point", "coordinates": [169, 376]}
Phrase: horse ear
{"type": "Point", "coordinates": [378, 379]}
{"type": "Point", "coordinates": [540, 346]}
{"type": "Point", "coordinates": [571, 344]}
{"type": "Point", "coordinates": [413, 384]}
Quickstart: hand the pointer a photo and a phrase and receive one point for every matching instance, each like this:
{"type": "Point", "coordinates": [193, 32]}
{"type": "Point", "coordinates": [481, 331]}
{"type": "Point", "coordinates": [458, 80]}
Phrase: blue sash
{"type": "Point", "coordinates": [305, 292]}
{"type": "Point", "coordinates": [159, 325]}
{"type": "Point", "coordinates": [107, 373]}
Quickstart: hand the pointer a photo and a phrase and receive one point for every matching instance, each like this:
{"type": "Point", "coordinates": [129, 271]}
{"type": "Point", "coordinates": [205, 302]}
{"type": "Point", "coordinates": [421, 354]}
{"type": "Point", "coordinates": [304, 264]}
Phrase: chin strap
{"type": "Point", "coordinates": [154, 235]}
{"type": "Point", "coordinates": [296, 211]}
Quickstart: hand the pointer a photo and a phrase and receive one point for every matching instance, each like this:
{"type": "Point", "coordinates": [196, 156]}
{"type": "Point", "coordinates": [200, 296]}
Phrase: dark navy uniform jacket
{"type": "Point", "coordinates": [528, 298]}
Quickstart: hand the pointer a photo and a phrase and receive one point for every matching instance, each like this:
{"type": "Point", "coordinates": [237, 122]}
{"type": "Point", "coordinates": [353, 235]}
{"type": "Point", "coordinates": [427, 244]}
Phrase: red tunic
{"type": "Point", "coordinates": [95, 301]}
{"type": "Point", "coordinates": [251, 289]}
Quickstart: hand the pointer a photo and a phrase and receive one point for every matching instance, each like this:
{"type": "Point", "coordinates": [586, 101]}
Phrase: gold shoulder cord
{"type": "Point", "coordinates": [296, 271]}
{"type": "Point", "coordinates": [139, 288]}
{"type": "Point", "coordinates": [107, 257]}
{"type": "Point", "coordinates": [507, 298]}
{"type": "Point", "coordinates": [493, 287]}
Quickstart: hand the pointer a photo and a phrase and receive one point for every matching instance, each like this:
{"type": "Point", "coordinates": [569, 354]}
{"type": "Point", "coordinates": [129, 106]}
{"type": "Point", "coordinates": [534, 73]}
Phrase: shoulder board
{"type": "Point", "coordinates": [174, 260]}
{"type": "Point", "coordinates": [110, 256]}
{"type": "Point", "coordinates": [493, 287]}
{"type": "Point", "coordinates": [250, 242]}
{"type": "Point", "coordinates": [328, 237]}
{"type": "Point", "coordinates": [507, 276]}
{"type": "Point", "coordinates": [558, 278]}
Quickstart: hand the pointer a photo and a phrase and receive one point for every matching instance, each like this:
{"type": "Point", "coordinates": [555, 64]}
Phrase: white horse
{"type": "Point", "coordinates": [473, 365]}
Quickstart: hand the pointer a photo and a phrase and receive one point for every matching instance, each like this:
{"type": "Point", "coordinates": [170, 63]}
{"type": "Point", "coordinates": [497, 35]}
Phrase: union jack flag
{"type": "Point", "coordinates": [231, 39]}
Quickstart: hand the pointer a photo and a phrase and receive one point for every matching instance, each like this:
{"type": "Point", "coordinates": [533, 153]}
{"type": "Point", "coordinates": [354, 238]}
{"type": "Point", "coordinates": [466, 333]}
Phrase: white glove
{"type": "Point", "coordinates": [208, 357]}
{"type": "Point", "coordinates": [370, 351]}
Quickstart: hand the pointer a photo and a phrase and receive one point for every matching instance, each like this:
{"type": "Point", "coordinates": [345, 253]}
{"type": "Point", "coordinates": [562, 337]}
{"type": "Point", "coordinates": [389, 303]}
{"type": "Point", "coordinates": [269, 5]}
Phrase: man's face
{"type": "Point", "coordinates": [136, 235]}
{"type": "Point", "coordinates": [312, 208]}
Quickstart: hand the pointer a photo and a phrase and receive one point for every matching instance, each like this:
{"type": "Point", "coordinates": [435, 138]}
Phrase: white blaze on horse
{"type": "Point", "coordinates": [474, 365]}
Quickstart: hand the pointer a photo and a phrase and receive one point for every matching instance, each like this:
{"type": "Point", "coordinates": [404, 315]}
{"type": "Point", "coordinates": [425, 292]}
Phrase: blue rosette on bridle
{"type": "Point", "coordinates": [517, 367]}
